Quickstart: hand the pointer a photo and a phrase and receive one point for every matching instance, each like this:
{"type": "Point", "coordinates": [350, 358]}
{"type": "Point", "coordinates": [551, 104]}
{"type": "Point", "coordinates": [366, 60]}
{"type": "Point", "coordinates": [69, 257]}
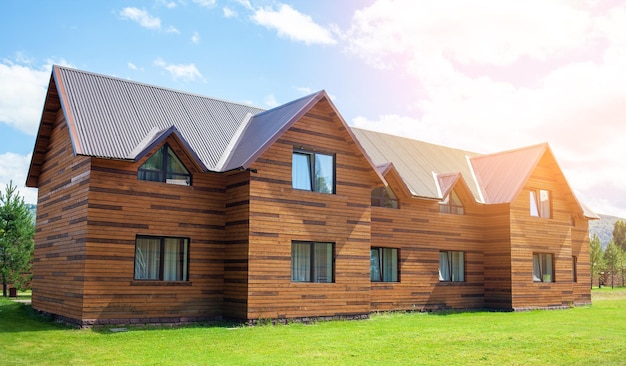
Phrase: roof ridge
{"type": "Point", "coordinates": [289, 103]}
{"type": "Point", "coordinates": [522, 148]}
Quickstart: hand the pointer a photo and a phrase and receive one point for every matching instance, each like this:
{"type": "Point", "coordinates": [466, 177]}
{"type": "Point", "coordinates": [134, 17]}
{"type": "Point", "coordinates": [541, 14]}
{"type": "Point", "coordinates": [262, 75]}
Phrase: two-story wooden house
{"type": "Point", "coordinates": [157, 206]}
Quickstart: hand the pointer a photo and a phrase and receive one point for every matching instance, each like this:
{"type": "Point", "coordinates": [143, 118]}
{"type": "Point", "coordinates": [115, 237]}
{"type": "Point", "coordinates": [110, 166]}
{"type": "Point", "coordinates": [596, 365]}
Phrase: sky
{"type": "Point", "coordinates": [483, 76]}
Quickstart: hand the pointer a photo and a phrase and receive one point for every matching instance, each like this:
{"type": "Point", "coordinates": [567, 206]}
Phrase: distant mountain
{"type": "Point", "coordinates": [603, 228]}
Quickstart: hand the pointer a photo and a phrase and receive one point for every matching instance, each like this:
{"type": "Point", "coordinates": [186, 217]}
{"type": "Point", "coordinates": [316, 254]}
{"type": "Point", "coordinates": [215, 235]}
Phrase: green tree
{"type": "Point", "coordinates": [612, 258]}
{"type": "Point", "coordinates": [16, 239]}
{"type": "Point", "coordinates": [619, 233]}
{"type": "Point", "coordinates": [596, 258]}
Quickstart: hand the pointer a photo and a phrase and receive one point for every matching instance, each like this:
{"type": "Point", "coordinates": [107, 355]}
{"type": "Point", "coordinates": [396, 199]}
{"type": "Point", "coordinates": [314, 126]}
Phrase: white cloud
{"type": "Point", "coordinates": [195, 38]}
{"type": "Point", "coordinates": [22, 93]}
{"type": "Point", "coordinates": [229, 13]}
{"type": "Point", "coordinates": [494, 75]}
{"type": "Point", "coordinates": [141, 17]}
{"type": "Point", "coordinates": [168, 4]}
{"type": "Point", "coordinates": [294, 25]}
{"type": "Point", "coordinates": [205, 3]}
{"type": "Point", "coordinates": [132, 66]}
{"type": "Point", "coordinates": [172, 29]}
{"type": "Point", "coordinates": [14, 168]}
{"type": "Point", "coordinates": [187, 72]}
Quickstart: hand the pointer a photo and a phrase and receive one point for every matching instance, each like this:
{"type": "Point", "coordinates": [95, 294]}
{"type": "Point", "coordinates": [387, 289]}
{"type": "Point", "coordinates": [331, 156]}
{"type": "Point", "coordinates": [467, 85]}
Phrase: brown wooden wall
{"type": "Point", "coordinates": [420, 232]}
{"type": "Point", "coordinates": [555, 235]}
{"type": "Point", "coordinates": [497, 247]}
{"type": "Point", "coordinates": [280, 215]}
{"type": "Point", "coordinates": [61, 225]}
{"type": "Point", "coordinates": [122, 207]}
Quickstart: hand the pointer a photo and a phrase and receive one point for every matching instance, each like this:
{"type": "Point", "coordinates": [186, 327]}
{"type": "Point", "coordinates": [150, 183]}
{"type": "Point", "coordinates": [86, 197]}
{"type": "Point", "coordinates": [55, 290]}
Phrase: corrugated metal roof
{"type": "Point", "coordinates": [501, 176]}
{"type": "Point", "coordinates": [264, 128]}
{"type": "Point", "coordinates": [416, 161]}
{"type": "Point", "coordinates": [111, 117]}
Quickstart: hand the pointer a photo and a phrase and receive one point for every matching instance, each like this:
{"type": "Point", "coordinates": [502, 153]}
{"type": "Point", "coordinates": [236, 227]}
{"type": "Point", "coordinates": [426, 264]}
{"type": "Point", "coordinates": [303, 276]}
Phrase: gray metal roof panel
{"type": "Point", "coordinates": [416, 161]}
{"type": "Point", "coordinates": [112, 116]}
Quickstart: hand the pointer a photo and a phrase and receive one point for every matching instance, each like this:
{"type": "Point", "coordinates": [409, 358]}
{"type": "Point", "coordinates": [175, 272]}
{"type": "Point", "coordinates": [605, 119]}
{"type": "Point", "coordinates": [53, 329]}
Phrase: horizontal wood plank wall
{"type": "Point", "coordinates": [280, 215]}
{"type": "Point", "coordinates": [547, 235]}
{"type": "Point", "coordinates": [61, 225]}
{"type": "Point", "coordinates": [497, 226]}
{"type": "Point", "coordinates": [419, 231]}
{"type": "Point", "coordinates": [122, 207]}
{"type": "Point", "coordinates": [236, 245]}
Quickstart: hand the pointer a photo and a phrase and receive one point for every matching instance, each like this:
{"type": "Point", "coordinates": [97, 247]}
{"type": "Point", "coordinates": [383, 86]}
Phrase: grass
{"type": "Point", "coordinates": [579, 336]}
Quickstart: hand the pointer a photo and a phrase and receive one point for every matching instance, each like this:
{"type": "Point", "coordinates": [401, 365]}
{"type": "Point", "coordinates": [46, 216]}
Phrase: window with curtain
{"type": "Point", "coordinates": [384, 265]}
{"type": "Point", "coordinates": [452, 205]}
{"type": "Point", "coordinates": [161, 258]}
{"type": "Point", "coordinates": [384, 197]}
{"type": "Point", "coordinates": [164, 166]}
{"type": "Point", "coordinates": [540, 203]}
{"type": "Point", "coordinates": [312, 262]}
{"type": "Point", "coordinates": [451, 266]}
{"type": "Point", "coordinates": [543, 267]}
{"type": "Point", "coordinates": [313, 172]}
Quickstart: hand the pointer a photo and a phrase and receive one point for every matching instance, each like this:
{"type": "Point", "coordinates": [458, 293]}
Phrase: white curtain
{"type": "Point", "coordinates": [300, 262]}
{"type": "Point", "coordinates": [323, 266]}
{"type": "Point", "coordinates": [375, 271]}
{"type": "Point", "coordinates": [390, 264]}
{"type": "Point", "coordinates": [444, 267]}
{"type": "Point", "coordinates": [147, 259]}
{"type": "Point", "coordinates": [451, 266]}
{"type": "Point", "coordinates": [175, 260]}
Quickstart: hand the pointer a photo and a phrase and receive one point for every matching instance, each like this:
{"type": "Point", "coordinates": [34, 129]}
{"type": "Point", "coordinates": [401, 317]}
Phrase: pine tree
{"type": "Point", "coordinates": [619, 233]}
{"type": "Point", "coordinates": [611, 257]}
{"type": "Point", "coordinates": [16, 238]}
{"type": "Point", "coordinates": [596, 257]}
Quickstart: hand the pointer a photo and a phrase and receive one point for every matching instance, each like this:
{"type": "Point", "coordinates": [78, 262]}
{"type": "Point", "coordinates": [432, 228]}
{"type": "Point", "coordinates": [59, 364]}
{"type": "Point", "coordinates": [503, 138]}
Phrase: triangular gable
{"type": "Point", "coordinates": [394, 179]}
{"type": "Point", "coordinates": [264, 129]}
{"type": "Point", "coordinates": [501, 176]}
{"type": "Point", "coordinates": [156, 137]}
{"type": "Point", "coordinates": [451, 182]}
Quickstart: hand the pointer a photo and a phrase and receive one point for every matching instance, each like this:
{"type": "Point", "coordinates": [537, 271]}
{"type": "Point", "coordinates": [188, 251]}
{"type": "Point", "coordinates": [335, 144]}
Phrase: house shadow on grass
{"type": "Point", "coordinates": [20, 317]}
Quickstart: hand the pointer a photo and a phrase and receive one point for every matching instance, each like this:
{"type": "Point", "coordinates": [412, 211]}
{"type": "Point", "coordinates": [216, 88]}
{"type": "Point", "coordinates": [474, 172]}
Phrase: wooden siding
{"type": "Point", "coordinates": [122, 207]}
{"type": "Point", "coordinates": [554, 235]}
{"type": "Point", "coordinates": [61, 226]}
{"type": "Point", "coordinates": [280, 215]}
{"type": "Point", "coordinates": [420, 232]}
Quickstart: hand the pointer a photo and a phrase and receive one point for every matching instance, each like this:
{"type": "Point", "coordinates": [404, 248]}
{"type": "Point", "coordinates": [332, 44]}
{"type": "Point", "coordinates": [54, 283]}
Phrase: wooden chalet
{"type": "Point", "coordinates": [157, 206]}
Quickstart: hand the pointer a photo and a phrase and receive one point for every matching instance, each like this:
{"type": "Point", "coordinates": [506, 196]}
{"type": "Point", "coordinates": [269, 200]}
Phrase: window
{"type": "Point", "coordinates": [452, 204]}
{"type": "Point", "coordinates": [451, 266]}
{"type": "Point", "coordinates": [313, 172]}
{"type": "Point", "coordinates": [574, 269]}
{"type": "Point", "coordinates": [161, 258]}
{"type": "Point", "coordinates": [384, 197]}
{"type": "Point", "coordinates": [164, 166]}
{"type": "Point", "coordinates": [384, 265]}
{"type": "Point", "coordinates": [543, 267]}
{"type": "Point", "coordinates": [540, 203]}
{"type": "Point", "coordinates": [311, 262]}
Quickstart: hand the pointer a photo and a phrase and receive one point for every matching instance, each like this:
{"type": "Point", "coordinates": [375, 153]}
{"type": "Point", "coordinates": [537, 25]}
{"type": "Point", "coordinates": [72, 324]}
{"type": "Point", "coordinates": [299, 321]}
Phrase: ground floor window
{"type": "Point", "coordinates": [161, 258]}
{"type": "Point", "coordinates": [384, 264]}
{"type": "Point", "coordinates": [311, 262]}
{"type": "Point", "coordinates": [543, 267]}
{"type": "Point", "coordinates": [451, 266]}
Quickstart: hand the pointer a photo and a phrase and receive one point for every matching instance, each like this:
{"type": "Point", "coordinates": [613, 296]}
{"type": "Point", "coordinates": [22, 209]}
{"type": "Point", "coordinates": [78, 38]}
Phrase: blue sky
{"type": "Point", "coordinates": [486, 76]}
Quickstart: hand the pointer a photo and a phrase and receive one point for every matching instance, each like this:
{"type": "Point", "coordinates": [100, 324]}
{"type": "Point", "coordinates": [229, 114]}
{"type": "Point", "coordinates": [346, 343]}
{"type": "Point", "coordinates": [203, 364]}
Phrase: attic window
{"type": "Point", "coordinates": [313, 172]}
{"type": "Point", "coordinates": [384, 197]}
{"type": "Point", "coordinates": [452, 205]}
{"type": "Point", "coordinates": [165, 167]}
{"type": "Point", "coordinates": [540, 203]}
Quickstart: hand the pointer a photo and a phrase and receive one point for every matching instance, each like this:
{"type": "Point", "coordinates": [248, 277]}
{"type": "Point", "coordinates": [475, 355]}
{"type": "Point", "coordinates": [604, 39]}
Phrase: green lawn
{"type": "Point", "coordinates": [593, 335]}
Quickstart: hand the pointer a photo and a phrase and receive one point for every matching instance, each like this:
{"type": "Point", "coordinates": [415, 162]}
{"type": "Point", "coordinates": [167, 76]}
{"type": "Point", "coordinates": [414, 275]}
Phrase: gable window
{"type": "Point", "coordinates": [574, 269]}
{"type": "Point", "coordinates": [543, 267]}
{"type": "Point", "coordinates": [451, 266]}
{"type": "Point", "coordinates": [540, 203]}
{"type": "Point", "coordinates": [313, 172]}
{"type": "Point", "coordinates": [161, 258]}
{"type": "Point", "coordinates": [384, 265]}
{"type": "Point", "coordinates": [164, 166]}
{"type": "Point", "coordinates": [452, 204]}
{"type": "Point", "coordinates": [311, 262]}
{"type": "Point", "coordinates": [384, 197]}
